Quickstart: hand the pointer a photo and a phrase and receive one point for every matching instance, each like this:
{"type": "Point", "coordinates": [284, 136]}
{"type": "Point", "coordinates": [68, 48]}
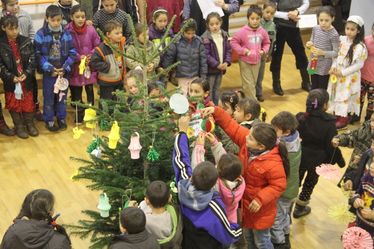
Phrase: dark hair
{"type": "Point", "coordinates": [265, 134]}
{"type": "Point", "coordinates": [190, 25]}
{"type": "Point", "coordinates": [25, 208]}
{"type": "Point", "coordinates": [8, 21]}
{"type": "Point", "coordinates": [111, 25]}
{"type": "Point", "coordinates": [212, 15]}
{"type": "Point", "coordinates": [241, 94]}
{"type": "Point", "coordinates": [254, 9]}
{"type": "Point", "coordinates": [52, 11]}
{"type": "Point", "coordinates": [158, 194]}
{"type": "Point", "coordinates": [4, 3]}
{"type": "Point", "coordinates": [327, 10]}
{"type": "Point", "coordinates": [250, 106]}
{"type": "Point", "coordinates": [229, 167]}
{"type": "Point", "coordinates": [77, 8]}
{"type": "Point", "coordinates": [285, 121]}
{"type": "Point", "coordinates": [316, 100]}
{"type": "Point", "coordinates": [158, 12]}
{"type": "Point", "coordinates": [270, 4]}
{"type": "Point", "coordinates": [230, 97]}
{"type": "Point", "coordinates": [139, 28]}
{"type": "Point", "coordinates": [204, 176]}
{"type": "Point", "coordinates": [203, 83]}
{"type": "Point", "coordinates": [357, 40]}
{"type": "Point", "coordinates": [152, 86]}
{"type": "Point", "coordinates": [41, 204]}
{"type": "Point", "coordinates": [133, 220]}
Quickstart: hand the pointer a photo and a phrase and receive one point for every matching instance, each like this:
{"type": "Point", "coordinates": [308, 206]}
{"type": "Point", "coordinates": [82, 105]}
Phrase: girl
{"type": "Point", "coordinates": [324, 45]}
{"type": "Point", "coordinates": [85, 40]}
{"type": "Point", "coordinates": [251, 42]}
{"type": "Point", "coordinates": [367, 76]}
{"type": "Point", "coordinates": [316, 129]}
{"type": "Point", "coordinates": [199, 93]}
{"type": "Point", "coordinates": [344, 84]}
{"type": "Point", "coordinates": [228, 101]}
{"type": "Point", "coordinates": [17, 63]}
{"type": "Point", "coordinates": [34, 226]}
{"type": "Point", "coordinates": [218, 52]}
{"type": "Point", "coordinates": [171, 7]}
{"type": "Point", "coordinates": [265, 167]}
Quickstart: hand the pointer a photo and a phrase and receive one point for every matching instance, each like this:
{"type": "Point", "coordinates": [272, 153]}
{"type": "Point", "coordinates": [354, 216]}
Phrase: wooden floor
{"type": "Point", "coordinates": [43, 162]}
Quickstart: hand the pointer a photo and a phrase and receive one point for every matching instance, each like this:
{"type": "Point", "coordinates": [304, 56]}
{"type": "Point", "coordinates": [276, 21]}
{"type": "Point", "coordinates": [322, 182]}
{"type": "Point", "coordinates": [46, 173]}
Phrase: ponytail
{"type": "Point", "coordinates": [42, 202]}
{"type": "Point", "coordinates": [284, 155]}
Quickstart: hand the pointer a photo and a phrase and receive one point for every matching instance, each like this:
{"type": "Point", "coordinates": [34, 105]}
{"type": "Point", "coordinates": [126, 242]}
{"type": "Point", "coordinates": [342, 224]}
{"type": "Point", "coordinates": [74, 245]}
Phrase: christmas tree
{"type": "Point", "coordinates": [121, 174]}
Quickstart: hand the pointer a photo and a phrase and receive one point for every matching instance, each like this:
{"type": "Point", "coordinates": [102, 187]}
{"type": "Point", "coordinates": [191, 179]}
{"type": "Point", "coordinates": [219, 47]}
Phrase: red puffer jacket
{"type": "Point", "coordinates": [264, 176]}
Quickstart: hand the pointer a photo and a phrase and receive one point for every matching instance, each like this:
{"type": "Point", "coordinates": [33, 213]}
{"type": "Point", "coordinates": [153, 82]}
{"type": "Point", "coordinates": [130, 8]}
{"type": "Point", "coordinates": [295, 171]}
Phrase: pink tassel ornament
{"type": "Point", "coordinates": [357, 238]}
{"type": "Point", "coordinates": [135, 146]}
{"type": "Point", "coordinates": [329, 172]}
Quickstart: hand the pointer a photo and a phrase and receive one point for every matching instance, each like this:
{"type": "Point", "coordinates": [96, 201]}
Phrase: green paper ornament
{"type": "Point", "coordinates": [200, 106]}
{"type": "Point", "coordinates": [104, 125]}
{"type": "Point", "coordinates": [95, 143]}
{"type": "Point", "coordinates": [152, 155]}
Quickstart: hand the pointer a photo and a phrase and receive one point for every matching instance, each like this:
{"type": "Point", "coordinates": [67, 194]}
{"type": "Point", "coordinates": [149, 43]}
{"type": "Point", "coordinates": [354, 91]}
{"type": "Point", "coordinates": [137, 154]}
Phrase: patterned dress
{"type": "Point", "coordinates": [345, 91]}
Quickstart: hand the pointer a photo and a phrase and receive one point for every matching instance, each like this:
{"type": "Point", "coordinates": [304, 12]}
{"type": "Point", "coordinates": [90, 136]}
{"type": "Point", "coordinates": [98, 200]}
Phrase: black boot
{"type": "Point", "coordinates": [301, 211]}
{"type": "Point", "coordinates": [288, 242]}
{"type": "Point", "coordinates": [19, 124]}
{"type": "Point", "coordinates": [29, 121]}
{"type": "Point", "coordinates": [38, 113]}
{"type": "Point", "coordinates": [305, 80]}
{"type": "Point", "coordinates": [4, 128]}
{"type": "Point", "coordinates": [277, 89]}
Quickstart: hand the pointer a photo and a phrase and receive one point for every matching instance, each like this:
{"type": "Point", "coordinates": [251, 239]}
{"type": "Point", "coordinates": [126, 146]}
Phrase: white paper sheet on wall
{"type": "Point", "coordinates": [208, 6]}
{"type": "Point", "coordinates": [307, 21]}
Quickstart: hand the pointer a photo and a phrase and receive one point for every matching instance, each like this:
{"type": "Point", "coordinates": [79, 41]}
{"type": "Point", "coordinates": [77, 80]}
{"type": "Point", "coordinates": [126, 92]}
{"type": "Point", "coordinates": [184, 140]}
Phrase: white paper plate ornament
{"type": "Point", "coordinates": [179, 103]}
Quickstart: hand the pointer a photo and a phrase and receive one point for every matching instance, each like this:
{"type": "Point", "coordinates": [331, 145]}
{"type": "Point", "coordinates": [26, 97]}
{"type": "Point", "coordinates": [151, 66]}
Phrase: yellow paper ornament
{"type": "Point", "coordinates": [77, 132]}
{"type": "Point", "coordinates": [82, 65]}
{"type": "Point", "coordinates": [333, 78]}
{"type": "Point", "coordinates": [113, 136]}
{"type": "Point", "coordinates": [90, 118]}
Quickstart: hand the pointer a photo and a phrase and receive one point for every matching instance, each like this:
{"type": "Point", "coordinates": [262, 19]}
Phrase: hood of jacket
{"type": "Point", "coordinates": [133, 238]}
{"type": "Point", "coordinates": [192, 198]}
{"type": "Point", "coordinates": [292, 142]}
{"type": "Point", "coordinates": [32, 233]}
{"type": "Point", "coordinates": [231, 195]}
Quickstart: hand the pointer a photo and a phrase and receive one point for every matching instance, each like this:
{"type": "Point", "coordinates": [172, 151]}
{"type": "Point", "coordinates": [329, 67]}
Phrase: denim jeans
{"type": "Point", "coordinates": [281, 225]}
{"type": "Point", "coordinates": [53, 105]}
{"type": "Point", "coordinates": [258, 239]}
{"type": "Point", "coordinates": [214, 83]}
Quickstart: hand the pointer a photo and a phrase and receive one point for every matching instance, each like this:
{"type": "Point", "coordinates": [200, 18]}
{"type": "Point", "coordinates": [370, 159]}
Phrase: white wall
{"type": "Point", "coordinates": [364, 8]}
{"type": "Point", "coordinates": [37, 13]}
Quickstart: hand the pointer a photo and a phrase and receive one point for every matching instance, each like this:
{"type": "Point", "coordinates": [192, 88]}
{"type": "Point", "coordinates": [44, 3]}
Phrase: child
{"type": "Point", "coordinates": [199, 93]}
{"type": "Point", "coordinates": [205, 224]}
{"type": "Point", "coordinates": [162, 219]}
{"type": "Point", "coordinates": [16, 70]}
{"type": "Point", "coordinates": [110, 64]}
{"type": "Point", "coordinates": [66, 6]}
{"type": "Point", "coordinates": [135, 56]}
{"type": "Point", "coordinates": [268, 24]}
{"type": "Point", "coordinates": [324, 45]}
{"type": "Point", "coordinates": [363, 201]}
{"type": "Point", "coordinates": [251, 42]}
{"type": "Point", "coordinates": [228, 101]}
{"type": "Point", "coordinates": [265, 167]}
{"type": "Point", "coordinates": [110, 12]}
{"type": "Point", "coordinates": [190, 52]}
{"type": "Point", "coordinates": [171, 7]}
{"type": "Point", "coordinates": [367, 76]}
{"type": "Point", "coordinates": [344, 85]}
{"type": "Point", "coordinates": [55, 53]}
{"type": "Point", "coordinates": [34, 226]}
{"type": "Point", "coordinates": [85, 40]}
{"type": "Point", "coordinates": [247, 112]}
{"type": "Point", "coordinates": [133, 232]}
{"type": "Point", "coordinates": [285, 124]}
{"type": "Point", "coordinates": [316, 128]}
{"type": "Point", "coordinates": [218, 52]}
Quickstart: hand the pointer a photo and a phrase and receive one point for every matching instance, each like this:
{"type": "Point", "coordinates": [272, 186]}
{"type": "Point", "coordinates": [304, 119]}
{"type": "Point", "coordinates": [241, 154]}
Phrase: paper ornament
{"type": "Point", "coordinates": [104, 206]}
{"type": "Point", "coordinates": [340, 212]}
{"type": "Point", "coordinates": [114, 136]}
{"type": "Point", "coordinates": [18, 91]}
{"type": "Point", "coordinates": [96, 153]}
{"type": "Point", "coordinates": [329, 172]}
{"type": "Point", "coordinates": [95, 143]}
{"type": "Point", "coordinates": [179, 103]}
{"type": "Point", "coordinates": [135, 146]}
{"type": "Point", "coordinates": [313, 65]}
{"type": "Point", "coordinates": [152, 155]}
{"type": "Point", "coordinates": [82, 65]}
{"type": "Point", "coordinates": [208, 125]}
{"type": "Point", "coordinates": [104, 125]}
{"type": "Point", "coordinates": [60, 86]}
{"type": "Point", "coordinates": [173, 187]}
{"type": "Point", "coordinates": [90, 118]}
{"type": "Point", "coordinates": [77, 133]}
{"type": "Point", "coordinates": [357, 238]}
{"type": "Point", "coordinates": [87, 73]}
{"type": "Point", "coordinates": [333, 78]}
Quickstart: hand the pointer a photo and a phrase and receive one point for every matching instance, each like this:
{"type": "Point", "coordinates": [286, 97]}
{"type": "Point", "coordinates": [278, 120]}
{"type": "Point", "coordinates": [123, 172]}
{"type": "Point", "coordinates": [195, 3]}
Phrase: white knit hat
{"type": "Point", "coordinates": [356, 19]}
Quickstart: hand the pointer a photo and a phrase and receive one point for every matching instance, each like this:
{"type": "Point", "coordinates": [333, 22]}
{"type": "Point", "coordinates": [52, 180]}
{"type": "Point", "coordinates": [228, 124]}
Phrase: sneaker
{"type": "Point", "coordinates": [51, 126]}
{"type": "Point", "coordinates": [62, 124]}
{"type": "Point", "coordinates": [260, 99]}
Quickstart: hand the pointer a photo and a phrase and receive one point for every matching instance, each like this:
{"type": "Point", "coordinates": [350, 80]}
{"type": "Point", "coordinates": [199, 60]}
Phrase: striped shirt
{"type": "Point", "coordinates": [328, 41]}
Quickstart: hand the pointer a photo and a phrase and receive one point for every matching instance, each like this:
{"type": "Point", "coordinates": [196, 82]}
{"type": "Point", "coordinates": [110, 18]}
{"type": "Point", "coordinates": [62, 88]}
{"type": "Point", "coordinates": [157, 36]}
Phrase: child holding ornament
{"type": "Point", "coordinates": [205, 223]}
{"type": "Point", "coordinates": [85, 39]}
{"type": "Point", "coordinates": [247, 112]}
{"type": "Point", "coordinates": [133, 232]}
{"type": "Point", "coordinates": [324, 45]}
{"type": "Point", "coordinates": [17, 64]}
{"type": "Point", "coordinates": [345, 77]}
{"type": "Point", "coordinates": [228, 101]}
{"type": "Point", "coordinates": [199, 93]}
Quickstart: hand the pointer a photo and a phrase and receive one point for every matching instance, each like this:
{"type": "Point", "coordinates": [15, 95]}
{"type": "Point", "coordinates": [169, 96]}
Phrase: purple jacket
{"type": "Point", "coordinates": [156, 36]}
{"type": "Point", "coordinates": [212, 52]}
{"type": "Point", "coordinates": [85, 45]}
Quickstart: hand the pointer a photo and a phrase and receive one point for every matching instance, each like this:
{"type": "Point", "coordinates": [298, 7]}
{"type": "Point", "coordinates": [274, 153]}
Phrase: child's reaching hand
{"type": "Point", "coordinates": [207, 111]}
{"type": "Point", "coordinates": [367, 213]}
{"type": "Point", "coordinates": [254, 206]}
{"type": "Point", "coordinates": [335, 142]}
{"type": "Point", "coordinates": [358, 203]}
{"type": "Point", "coordinates": [211, 138]}
{"type": "Point", "coordinates": [200, 140]}
{"type": "Point", "coordinates": [183, 123]}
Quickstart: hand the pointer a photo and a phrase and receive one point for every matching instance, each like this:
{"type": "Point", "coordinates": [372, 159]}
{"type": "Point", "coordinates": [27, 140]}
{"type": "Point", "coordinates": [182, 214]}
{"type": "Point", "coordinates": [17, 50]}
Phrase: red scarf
{"type": "Point", "coordinates": [80, 30]}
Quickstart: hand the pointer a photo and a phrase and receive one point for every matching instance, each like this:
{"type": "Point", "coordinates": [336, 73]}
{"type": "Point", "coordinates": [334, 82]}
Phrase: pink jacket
{"type": "Point", "coordinates": [254, 40]}
{"type": "Point", "coordinates": [367, 72]}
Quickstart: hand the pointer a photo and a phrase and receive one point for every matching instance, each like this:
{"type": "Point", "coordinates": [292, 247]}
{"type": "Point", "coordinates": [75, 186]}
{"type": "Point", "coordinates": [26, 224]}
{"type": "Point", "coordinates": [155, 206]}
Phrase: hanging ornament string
{"type": "Point", "coordinates": [153, 155]}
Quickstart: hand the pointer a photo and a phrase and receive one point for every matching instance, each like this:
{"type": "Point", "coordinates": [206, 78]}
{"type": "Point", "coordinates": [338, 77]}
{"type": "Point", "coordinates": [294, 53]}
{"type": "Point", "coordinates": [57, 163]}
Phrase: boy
{"type": "Point", "coordinates": [110, 12]}
{"type": "Point", "coordinates": [110, 64]}
{"type": "Point", "coordinates": [134, 235]}
{"type": "Point", "coordinates": [55, 54]}
{"type": "Point", "coordinates": [162, 219]}
{"type": "Point", "coordinates": [285, 124]}
{"type": "Point", "coordinates": [190, 52]}
{"type": "Point", "coordinates": [205, 223]}
{"type": "Point", "coordinates": [65, 6]}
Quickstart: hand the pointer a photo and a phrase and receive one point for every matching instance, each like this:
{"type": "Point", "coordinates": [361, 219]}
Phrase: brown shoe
{"type": "Point", "coordinates": [4, 128]}
{"type": "Point", "coordinates": [29, 122]}
{"type": "Point", "coordinates": [19, 125]}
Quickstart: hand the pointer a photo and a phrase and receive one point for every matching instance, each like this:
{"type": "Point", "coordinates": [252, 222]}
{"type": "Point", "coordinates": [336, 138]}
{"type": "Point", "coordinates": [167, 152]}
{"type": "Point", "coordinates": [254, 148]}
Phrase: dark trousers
{"type": "Point", "coordinates": [76, 93]}
{"type": "Point", "coordinates": [293, 38]}
{"type": "Point", "coordinates": [320, 81]}
{"type": "Point", "coordinates": [53, 105]}
{"type": "Point", "coordinates": [367, 88]}
{"type": "Point", "coordinates": [106, 92]}
{"type": "Point", "coordinates": [34, 88]}
{"type": "Point", "coordinates": [309, 183]}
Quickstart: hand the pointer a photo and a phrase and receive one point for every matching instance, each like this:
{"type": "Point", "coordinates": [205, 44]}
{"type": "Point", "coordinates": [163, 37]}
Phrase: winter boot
{"type": "Point", "coordinates": [19, 124]}
{"type": "Point", "coordinates": [277, 89]}
{"type": "Point", "coordinates": [305, 80]}
{"type": "Point", "coordinates": [288, 242]}
{"type": "Point", "coordinates": [4, 128]}
{"type": "Point", "coordinates": [29, 121]}
{"type": "Point", "coordinates": [38, 113]}
{"type": "Point", "coordinates": [301, 211]}
{"type": "Point", "coordinates": [62, 124]}
{"type": "Point", "coordinates": [280, 246]}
